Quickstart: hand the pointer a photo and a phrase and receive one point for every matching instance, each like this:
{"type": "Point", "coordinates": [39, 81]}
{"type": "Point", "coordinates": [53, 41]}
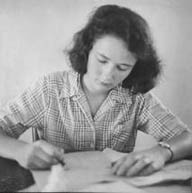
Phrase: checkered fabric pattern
{"type": "Point", "coordinates": [57, 106]}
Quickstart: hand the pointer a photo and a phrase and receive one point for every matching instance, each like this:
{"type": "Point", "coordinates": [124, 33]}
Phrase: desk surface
{"type": "Point", "coordinates": [89, 168]}
{"type": "Point", "coordinates": [164, 188]}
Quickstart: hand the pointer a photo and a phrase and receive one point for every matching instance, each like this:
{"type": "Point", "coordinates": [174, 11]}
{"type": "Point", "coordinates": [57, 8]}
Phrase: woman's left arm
{"type": "Point", "coordinates": [158, 121]}
{"type": "Point", "coordinates": [148, 161]}
{"type": "Point", "coordinates": [181, 145]}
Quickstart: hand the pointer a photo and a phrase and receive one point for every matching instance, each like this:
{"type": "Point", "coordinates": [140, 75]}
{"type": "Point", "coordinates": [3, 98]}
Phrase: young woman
{"type": "Point", "coordinates": [102, 102]}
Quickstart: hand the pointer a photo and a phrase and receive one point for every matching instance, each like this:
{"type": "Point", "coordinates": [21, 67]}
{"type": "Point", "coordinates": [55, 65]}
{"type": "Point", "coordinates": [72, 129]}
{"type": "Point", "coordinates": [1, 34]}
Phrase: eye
{"type": "Point", "coordinates": [123, 68]}
{"type": "Point", "coordinates": [102, 61]}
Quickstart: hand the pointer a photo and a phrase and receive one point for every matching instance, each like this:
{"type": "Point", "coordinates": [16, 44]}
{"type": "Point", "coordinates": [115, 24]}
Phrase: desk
{"type": "Point", "coordinates": [184, 187]}
{"type": "Point", "coordinates": [89, 167]}
{"type": "Point", "coordinates": [22, 178]}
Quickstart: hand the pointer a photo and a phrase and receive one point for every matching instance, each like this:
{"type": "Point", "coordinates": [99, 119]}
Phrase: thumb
{"type": "Point", "coordinates": [59, 153]}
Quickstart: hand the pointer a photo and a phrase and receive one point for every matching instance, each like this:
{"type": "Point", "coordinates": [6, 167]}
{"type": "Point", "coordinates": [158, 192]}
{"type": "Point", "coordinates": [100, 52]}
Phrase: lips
{"type": "Point", "coordinates": [106, 83]}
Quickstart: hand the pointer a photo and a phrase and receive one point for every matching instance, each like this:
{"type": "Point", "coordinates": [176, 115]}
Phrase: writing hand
{"type": "Point", "coordinates": [40, 155]}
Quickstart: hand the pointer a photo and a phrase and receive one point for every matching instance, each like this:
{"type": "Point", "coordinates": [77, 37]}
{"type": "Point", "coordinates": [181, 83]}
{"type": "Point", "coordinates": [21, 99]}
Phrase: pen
{"type": "Point", "coordinates": [61, 162]}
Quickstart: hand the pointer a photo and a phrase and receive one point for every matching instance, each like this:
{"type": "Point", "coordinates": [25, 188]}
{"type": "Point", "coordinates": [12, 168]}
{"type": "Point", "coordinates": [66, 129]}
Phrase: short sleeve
{"type": "Point", "coordinates": [157, 120]}
{"type": "Point", "coordinates": [25, 111]}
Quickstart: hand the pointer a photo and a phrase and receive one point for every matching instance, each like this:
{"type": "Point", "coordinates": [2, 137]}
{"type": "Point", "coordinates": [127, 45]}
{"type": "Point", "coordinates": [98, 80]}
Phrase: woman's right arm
{"type": "Point", "coordinates": [37, 155]}
{"type": "Point", "coordinates": [25, 112]}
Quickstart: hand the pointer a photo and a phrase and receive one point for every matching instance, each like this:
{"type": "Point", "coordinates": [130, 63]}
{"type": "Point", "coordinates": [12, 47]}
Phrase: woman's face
{"type": "Point", "coordinates": [109, 63]}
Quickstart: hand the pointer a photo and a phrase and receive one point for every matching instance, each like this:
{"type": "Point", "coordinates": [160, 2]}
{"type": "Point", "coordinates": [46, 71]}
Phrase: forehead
{"type": "Point", "coordinates": [114, 48]}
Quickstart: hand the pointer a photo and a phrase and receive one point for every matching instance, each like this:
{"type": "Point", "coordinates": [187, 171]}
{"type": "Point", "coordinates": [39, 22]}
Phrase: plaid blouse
{"type": "Point", "coordinates": [57, 106]}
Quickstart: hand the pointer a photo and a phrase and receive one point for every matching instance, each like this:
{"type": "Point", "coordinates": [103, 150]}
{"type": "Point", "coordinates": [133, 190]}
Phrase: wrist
{"type": "Point", "coordinates": [22, 154]}
{"type": "Point", "coordinates": [168, 152]}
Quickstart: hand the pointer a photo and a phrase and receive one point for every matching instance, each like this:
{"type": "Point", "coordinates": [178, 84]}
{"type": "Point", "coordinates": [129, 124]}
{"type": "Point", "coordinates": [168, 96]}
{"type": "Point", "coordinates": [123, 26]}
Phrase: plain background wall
{"type": "Point", "coordinates": [33, 34]}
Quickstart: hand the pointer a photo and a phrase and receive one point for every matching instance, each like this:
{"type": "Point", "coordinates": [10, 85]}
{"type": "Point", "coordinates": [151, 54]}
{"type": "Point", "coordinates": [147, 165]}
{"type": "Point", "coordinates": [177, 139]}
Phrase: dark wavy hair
{"type": "Point", "coordinates": [133, 30]}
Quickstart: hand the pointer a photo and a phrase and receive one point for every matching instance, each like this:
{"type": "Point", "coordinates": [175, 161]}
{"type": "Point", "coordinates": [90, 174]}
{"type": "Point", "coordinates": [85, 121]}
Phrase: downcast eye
{"type": "Point", "coordinates": [123, 67]}
{"type": "Point", "coordinates": [102, 61]}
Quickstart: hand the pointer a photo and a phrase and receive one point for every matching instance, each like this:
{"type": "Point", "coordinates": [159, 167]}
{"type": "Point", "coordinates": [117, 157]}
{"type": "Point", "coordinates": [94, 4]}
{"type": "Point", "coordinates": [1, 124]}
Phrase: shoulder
{"type": "Point", "coordinates": [152, 99]}
{"type": "Point", "coordinates": [60, 83]}
{"type": "Point", "coordinates": [130, 97]}
{"type": "Point", "coordinates": [146, 99]}
{"type": "Point", "coordinates": [59, 78]}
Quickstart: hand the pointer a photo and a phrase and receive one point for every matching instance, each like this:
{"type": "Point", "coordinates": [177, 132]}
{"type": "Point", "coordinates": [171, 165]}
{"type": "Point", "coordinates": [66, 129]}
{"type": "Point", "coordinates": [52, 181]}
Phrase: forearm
{"type": "Point", "coordinates": [181, 145]}
{"type": "Point", "coordinates": [10, 147]}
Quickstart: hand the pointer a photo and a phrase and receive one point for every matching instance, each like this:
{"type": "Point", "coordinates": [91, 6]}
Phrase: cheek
{"type": "Point", "coordinates": [94, 69]}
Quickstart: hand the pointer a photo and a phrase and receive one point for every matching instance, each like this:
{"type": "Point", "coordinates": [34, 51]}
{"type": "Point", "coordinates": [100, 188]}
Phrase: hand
{"type": "Point", "coordinates": [141, 163]}
{"type": "Point", "coordinates": [40, 155]}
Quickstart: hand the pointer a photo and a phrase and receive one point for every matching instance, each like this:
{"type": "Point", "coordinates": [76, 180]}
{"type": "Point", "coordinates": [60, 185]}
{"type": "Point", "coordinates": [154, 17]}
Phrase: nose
{"type": "Point", "coordinates": [108, 72]}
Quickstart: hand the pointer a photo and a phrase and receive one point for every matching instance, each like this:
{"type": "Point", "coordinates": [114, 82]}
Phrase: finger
{"type": "Point", "coordinates": [55, 151]}
{"type": "Point", "coordinates": [52, 150]}
{"type": "Point", "coordinates": [117, 164]}
{"type": "Point", "coordinates": [151, 168]}
{"type": "Point", "coordinates": [38, 163]}
{"type": "Point", "coordinates": [58, 153]}
{"type": "Point", "coordinates": [146, 171]}
{"type": "Point", "coordinates": [47, 147]}
{"type": "Point", "coordinates": [138, 166]}
{"type": "Point", "coordinates": [45, 160]}
{"type": "Point", "coordinates": [125, 165]}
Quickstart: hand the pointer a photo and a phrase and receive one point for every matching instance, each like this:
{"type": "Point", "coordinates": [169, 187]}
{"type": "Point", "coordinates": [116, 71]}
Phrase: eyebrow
{"type": "Point", "coordinates": [107, 58]}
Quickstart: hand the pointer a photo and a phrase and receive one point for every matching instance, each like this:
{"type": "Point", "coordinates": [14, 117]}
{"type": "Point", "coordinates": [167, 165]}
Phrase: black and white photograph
{"type": "Point", "coordinates": [96, 96]}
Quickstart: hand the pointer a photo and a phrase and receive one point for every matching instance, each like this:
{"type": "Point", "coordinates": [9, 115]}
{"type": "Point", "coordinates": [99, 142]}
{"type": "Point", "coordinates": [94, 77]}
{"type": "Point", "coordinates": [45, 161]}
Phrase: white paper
{"type": "Point", "coordinates": [86, 171]}
{"type": "Point", "coordinates": [178, 171]}
{"type": "Point", "coordinates": [118, 186]}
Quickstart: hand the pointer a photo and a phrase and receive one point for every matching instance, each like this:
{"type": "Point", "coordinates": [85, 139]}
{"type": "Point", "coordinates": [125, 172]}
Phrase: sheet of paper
{"type": "Point", "coordinates": [89, 170]}
{"type": "Point", "coordinates": [113, 155]}
{"type": "Point", "coordinates": [83, 170]}
{"type": "Point", "coordinates": [178, 171]}
{"type": "Point", "coordinates": [118, 186]}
